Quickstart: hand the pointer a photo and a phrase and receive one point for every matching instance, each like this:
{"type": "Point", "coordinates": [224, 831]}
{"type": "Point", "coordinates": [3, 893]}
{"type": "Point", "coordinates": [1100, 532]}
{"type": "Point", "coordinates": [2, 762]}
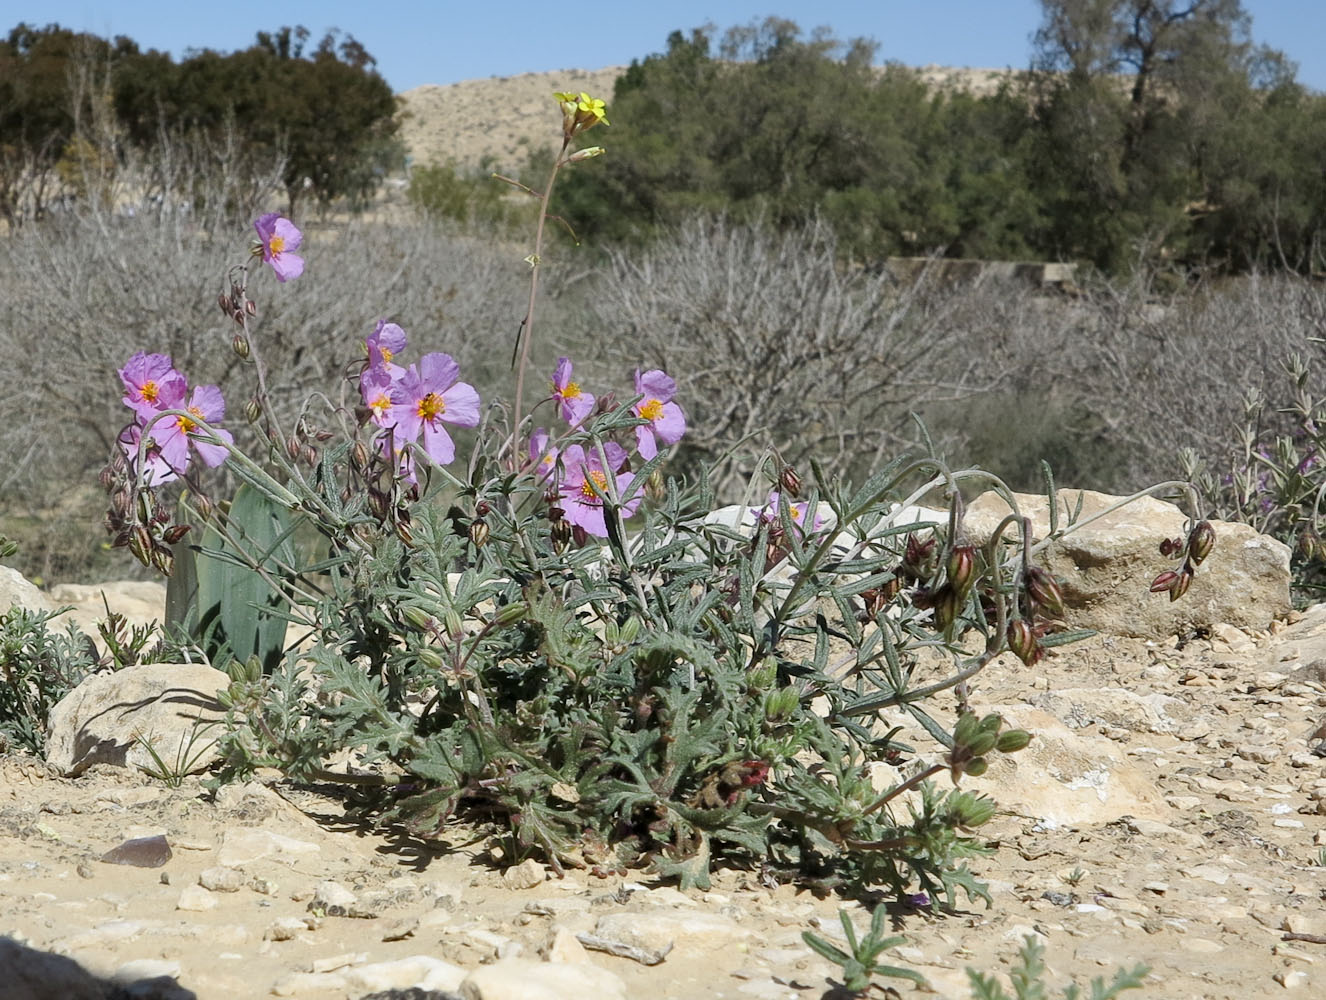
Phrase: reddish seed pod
{"type": "Point", "coordinates": [1022, 641]}
{"type": "Point", "coordinates": [293, 448]}
{"type": "Point", "coordinates": [310, 455]}
{"type": "Point", "coordinates": [579, 535]}
{"type": "Point", "coordinates": [1165, 581]}
{"type": "Point", "coordinates": [251, 307]}
{"type": "Point", "coordinates": [1044, 591]}
{"type": "Point", "coordinates": [1181, 585]}
{"type": "Point", "coordinates": [790, 481]}
{"type": "Point", "coordinates": [961, 567]}
{"type": "Point", "coordinates": [175, 533]}
{"type": "Point", "coordinates": [1200, 542]}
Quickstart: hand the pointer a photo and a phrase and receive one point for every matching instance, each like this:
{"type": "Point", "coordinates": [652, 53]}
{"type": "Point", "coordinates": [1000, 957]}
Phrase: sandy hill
{"type": "Point", "coordinates": [503, 116]}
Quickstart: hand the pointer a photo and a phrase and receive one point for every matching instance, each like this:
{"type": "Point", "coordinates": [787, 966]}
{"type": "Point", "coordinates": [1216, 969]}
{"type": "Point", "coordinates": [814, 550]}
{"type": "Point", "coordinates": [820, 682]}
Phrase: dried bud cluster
{"type": "Point", "coordinates": [1194, 550]}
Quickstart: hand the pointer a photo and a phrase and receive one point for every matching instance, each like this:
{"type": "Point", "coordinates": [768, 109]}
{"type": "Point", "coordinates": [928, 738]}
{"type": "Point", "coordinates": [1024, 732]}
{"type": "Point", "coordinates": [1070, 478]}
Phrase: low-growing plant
{"type": "Point", "coordinates": [1277, 480]}
{"type": "Point", "coordinates": [1028, 975]}
{"type": "Point", "coordinates": [38, 667]}
{"type": "Point", "coordinates": [489, 638]}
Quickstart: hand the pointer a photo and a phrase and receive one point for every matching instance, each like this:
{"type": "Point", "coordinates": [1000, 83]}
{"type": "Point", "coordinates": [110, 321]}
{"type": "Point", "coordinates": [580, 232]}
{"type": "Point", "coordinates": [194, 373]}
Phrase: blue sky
{"type": "Point", "coordinates": [418, 42]}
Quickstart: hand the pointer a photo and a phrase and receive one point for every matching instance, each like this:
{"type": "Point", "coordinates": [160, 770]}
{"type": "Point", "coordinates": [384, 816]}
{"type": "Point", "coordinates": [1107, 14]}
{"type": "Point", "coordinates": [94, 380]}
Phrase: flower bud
{"type": "Point", "coordinates": [585, 154]}
{"type": "Point", "coordinates": [511, 614]}
{"type": "Point", "coordinates": [310, 455]}
{"type": "Point", "coordinates": [293, 448]}
{"type": "Point", "coordinates": [1044, 592]}
{"type": "Point", "coordinates": [163, 560]}
{"type": "Point", "coordinates": [106, 477]}
{"type": "Point", "coordinates": [430, 658]}
{"type": "Point", "coordinates": [1170, 546]}
{"type": "Point", "coordinates": [252, 411]}
{"type": "Point", "coordinates": [479, 532]}
{"type": "Point", "coordinates": [483, 508]}
{"type": "Point", "coordinates": [789, 481]}
{"type": "Point", "coordinates": [976, 767]}
{"type": "Point", "coordinates": [1180, 586]}
{"type": "Point", "coordinates": [419, 618]}
{"type": "Point", "coordinates": [1200, 542]}
{"type": "Point", "coordinates": [175, 533]}
{"type": "Point", "coordinates": [946, 607]}
{"type": "Point", "coordinates": [203, 504]}
{"type": "Point", "coordinates": [451, 620]}
{"type": "Point", "coordinates": [779, 705]}
{"type": "Point", "coordinates": [223, 301]}
{"type": "Point", "coordinates": [1013, 740]}
{"type": "Point", "coordinates": [560, 533]}
{"type": "Point", "coordinates": [404, 533]}
{"type": "Point", "coordinates": [961, 567]}
{"type": "Point", "coordinates": [140, 544]}
{"type": "Point", "coordinates": [606, 403]}
{"type": "Point", "coordinates": [656, 489]}
{"type": "Point", "coordinates": [1022, 641]}
{"type": "Point", "coordinates": [251, 307]}
{"type": "Point", "coordinates": [1165, 581]}
{"type": "Point", "coordinates": [630, 630]}
{"type": "Point", "coordinates": [579, 535]}
{"type": "Point", "coordinates": [240, 345]}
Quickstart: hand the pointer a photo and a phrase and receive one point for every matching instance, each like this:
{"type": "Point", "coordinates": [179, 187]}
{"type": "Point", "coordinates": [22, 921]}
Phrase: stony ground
{"type": "Point", "coordinates": [1170, 812]}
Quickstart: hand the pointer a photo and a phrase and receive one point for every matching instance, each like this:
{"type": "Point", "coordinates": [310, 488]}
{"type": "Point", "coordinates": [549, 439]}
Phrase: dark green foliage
{"type": "Point", "coordinates": [475, 199]}
{"type": "Point", "coordinates": [37, 669]}
{"type": "Point", "coordinates": [1146, 134]}
{"type": "Point", "coordinates": [324, 109]}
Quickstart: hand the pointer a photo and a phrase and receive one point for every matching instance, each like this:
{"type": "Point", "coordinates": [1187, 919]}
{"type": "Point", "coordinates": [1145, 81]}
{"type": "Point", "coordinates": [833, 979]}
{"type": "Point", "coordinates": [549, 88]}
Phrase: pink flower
{"type": "Point", "coordinates": [426, 397]}
{"type": "Point", "coordinates": [666, 422]}
{"type": "Point", "coordinates": [279, 239]}
{"type": "Point", "coordinates": [176, 434]}
{"type": "Point", "coordinates": [543, 457]}
{"type": "Point", "coordinates": [375, 386]}
{"type": "Point", "coordinates": [157, 470]}
{"type": "Point", "coordinates": [575, 404]}
{"type": "Point", "coordinates": [582, 504]}
{"type": "Point", "coordinates": [768, 514]}
{"type": "Point", "coordinates": [385, 342]}
{"type": "Point", "coordinates": [149, 380]}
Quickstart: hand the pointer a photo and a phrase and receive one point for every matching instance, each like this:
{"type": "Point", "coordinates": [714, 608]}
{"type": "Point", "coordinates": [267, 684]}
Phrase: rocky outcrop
{"type": "Point", "coordinates": [127, 716]}
{"type": "Point", "coordinates": [1105, 568]}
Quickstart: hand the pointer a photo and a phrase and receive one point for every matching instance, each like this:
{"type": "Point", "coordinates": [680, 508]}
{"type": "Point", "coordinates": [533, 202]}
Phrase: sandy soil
{"type": "Point", "coordinates": [1205, 894]}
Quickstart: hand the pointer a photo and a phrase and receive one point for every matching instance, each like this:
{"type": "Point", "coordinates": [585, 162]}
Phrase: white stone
{"type": "Point", "coordinates": [246, 844]}
{"type": "Point", "coordinates": [657, 931]}
{"type": "Point", "coordinates": [196, 899]}
{"type": "Point", "coordinates": [111, 718]}
{"type": "Point", "coordinates": [520, 979]}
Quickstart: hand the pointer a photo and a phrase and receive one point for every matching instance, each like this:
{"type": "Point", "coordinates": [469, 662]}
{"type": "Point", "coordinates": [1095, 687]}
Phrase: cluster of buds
{"type": "Point", "coordinates": [1043, 603]}
{"type": "Point", "coordinates": [237, 307]}
{"type": "Point", "coordinates": [1193, 550]}
{"type": "Point", "coordinates": [974, 738]}
{"type": "Point", "coordinates": [138, 521]}
{"type": "Point", "coordinates": [580, 113]}
{"type": "Point", "coordinates": [921, 563]}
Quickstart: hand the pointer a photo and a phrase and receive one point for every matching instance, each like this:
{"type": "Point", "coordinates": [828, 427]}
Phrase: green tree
{"type": "Point", "coordinates": [1142, 106]}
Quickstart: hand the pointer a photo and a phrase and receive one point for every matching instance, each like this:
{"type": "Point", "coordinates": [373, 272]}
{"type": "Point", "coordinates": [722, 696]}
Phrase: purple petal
{"type": "Point", "coordinates": [438, 372]}
{"type": "Point", "coordinates": [462, 405]}
{"type": "Point", "coordinates": [671, 424]}
{"type": "Point", "coordinates": [615, 454]}
{"type": "Point", "coordinates": [287, 265]}
{"type": "Point", "coordinates": [266, 225]}
{"type": "Point", "coordinates": [405, 417]}
{"type": "Point", "coordinates": [588, 515]}
{"type": "Point", "coordinates": [213, 454]}
{"type": "Point", "coordinates": [645, 443]}
{"type": "Point", "coordinates": [286, 229]}
{"type": "Point", "coordinates": [654, 384]}
{"type": "Point", "coordinates": [438, 444]}
{"type": "Point", "coordinates": [562, 373]}
{"type": "Point", "coordinates": [577, 408]}
{"type": "Point", "coordinates": [208, 402]}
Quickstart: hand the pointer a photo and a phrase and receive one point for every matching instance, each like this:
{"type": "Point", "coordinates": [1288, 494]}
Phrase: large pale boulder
{"type": "Point", "coordinates": [142, 602]}
{"type": "Point", "coordinates": [111, 718]}
{"type": "Point", "coordinates": [17, 591]}
{"type": "Point", "coordinates": [1106, 567]}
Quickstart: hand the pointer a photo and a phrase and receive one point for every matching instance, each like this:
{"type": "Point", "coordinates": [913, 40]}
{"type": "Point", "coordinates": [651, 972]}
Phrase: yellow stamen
{"type": "Point", "coordinates": [380, 404]}
{"type": "Point", "coordinates": [431, 407]}
{"type": "Point", "coordinates": [385, 352]}
{"type": "Point", "coordinates": [150, 391]}
{"type": "Point", "coordinates": [599, 479]}
{"type": "Point", "coordinates": [651, 409]}
{"type": "Point", "coordinates": [275, 245]}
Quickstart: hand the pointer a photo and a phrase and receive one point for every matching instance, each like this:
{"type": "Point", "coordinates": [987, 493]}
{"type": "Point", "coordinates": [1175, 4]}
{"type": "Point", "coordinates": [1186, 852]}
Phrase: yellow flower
{"type": "Point", "coordinates": [591, 110]}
